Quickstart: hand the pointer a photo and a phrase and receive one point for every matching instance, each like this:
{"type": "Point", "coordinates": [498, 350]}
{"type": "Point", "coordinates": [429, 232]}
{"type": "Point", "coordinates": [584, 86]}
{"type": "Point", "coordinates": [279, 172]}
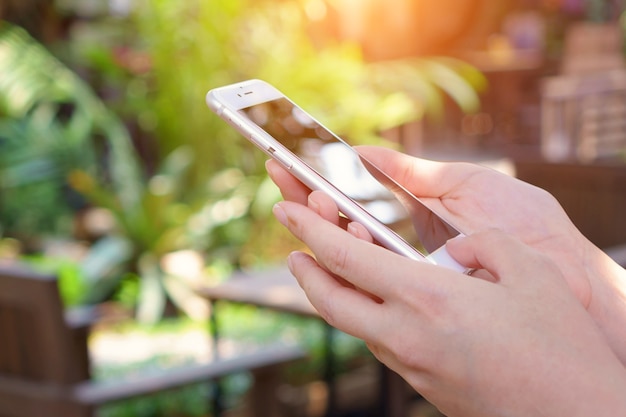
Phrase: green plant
{"type": "Point", "coordinates": [50, 124]}
{"type": "Point", "coordinates": [240, 325]}
{"type": "Point", "coordinates": [170, 218]}
{"type": "Point", "coordinates": [195, 46]}
{"type": "Point", "coordinates": [200, 185]}
{"type": "Point", "coordinates": [70, 280]}
{"type": "Point", "coordinates": [57, 136]}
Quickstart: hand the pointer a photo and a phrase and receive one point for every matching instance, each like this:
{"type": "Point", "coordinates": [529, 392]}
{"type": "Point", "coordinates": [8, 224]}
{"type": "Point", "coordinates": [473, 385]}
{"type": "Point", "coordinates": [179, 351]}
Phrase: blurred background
{"type": "Point", "coordinates": [116, 176]}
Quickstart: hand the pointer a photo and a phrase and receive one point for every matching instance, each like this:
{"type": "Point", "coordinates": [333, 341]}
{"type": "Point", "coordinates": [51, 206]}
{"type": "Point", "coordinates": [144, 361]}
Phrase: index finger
{"type": "Point", "coordinates": [340, 306]}
{"type": "Point", "coordinates": [363, 264]}
{"type": "Point", "coordinates": [290, 188]}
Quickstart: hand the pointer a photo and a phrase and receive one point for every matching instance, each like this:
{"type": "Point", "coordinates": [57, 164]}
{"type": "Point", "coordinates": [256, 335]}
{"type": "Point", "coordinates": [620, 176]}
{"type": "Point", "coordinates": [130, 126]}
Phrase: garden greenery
{"type": "Point", "coordinates": [183, 180]}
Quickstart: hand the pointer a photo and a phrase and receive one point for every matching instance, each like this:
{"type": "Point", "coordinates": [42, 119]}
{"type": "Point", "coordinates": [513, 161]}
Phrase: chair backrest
{"type": "Point", "coordinates": [584, 116]}
{"type": "Point", "coordinates": [36, 345]}
{"type": "Point", "coordinates": [590, 47]}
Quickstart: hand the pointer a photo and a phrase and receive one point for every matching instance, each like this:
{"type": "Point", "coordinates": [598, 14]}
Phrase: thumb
{"type": "Point", "coordinates": [497, 252]}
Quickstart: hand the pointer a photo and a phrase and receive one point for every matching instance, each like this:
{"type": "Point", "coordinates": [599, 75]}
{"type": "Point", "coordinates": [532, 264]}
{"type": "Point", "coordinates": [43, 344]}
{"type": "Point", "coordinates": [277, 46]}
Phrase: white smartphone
{"type": "Point", "coordinates": [321, 160]}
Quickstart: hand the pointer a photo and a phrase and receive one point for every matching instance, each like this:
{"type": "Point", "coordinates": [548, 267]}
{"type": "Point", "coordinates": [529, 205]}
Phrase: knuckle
{"type": "Point", "coordinates": [337, 259]}
{"type": "Point", "coordinates": [297, 227]}
{"type": "Point", "coordinates": [431, 301]}
{"type": "Point", "coordinates": [326, 314]}
{"type": "Point", "coordinates": [407, 354]}
{"type": "Point", "coordinates": [327, 311]}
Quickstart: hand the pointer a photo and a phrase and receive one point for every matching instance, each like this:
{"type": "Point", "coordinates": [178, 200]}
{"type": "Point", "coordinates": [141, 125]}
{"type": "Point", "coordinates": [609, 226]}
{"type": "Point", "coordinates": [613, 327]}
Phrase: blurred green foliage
{"type": "Point", "coordinates": [51, 124]}
{"type": "Point", "coordinates": [246, 326]}
{"type": "Point", "coordinates": [183, 179]}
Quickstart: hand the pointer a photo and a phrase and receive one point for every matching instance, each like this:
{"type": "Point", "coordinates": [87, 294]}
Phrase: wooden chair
{"type": "Point", "coordinates": [44, 361]}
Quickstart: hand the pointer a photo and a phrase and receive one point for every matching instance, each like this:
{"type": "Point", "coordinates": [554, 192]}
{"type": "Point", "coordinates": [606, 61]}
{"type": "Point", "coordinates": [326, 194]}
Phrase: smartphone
{"type": "Point", "coordinates": [321, 160]}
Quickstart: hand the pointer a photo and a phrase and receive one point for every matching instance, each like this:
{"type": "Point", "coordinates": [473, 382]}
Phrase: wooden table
{"type": "Point", "coordinates": [278, 290]}
{"type": "Point", "coordinates": [274, 288]}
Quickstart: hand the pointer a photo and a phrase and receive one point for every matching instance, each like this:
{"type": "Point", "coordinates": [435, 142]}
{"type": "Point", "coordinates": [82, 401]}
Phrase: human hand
{"type": "Point", "coordinates": [475, 198]}
{"type": "Point", "coordinates": [519, 346]}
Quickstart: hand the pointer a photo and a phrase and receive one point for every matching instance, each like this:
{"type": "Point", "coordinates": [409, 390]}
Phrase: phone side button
{"type": "Point", "coordinates": [280, 158]}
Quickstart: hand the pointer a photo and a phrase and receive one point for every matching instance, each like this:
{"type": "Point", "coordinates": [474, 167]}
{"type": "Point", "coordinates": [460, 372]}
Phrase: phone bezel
{"type": "Point", "coordinates": [227, 102]}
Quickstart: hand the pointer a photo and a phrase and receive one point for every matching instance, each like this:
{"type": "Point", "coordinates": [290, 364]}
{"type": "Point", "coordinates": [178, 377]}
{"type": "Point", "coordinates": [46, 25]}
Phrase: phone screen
{"type": "Point", "coordinates": [354, 176]}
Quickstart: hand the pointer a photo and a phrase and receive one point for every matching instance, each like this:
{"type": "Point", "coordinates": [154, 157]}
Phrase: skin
{"type": "Point", "coordinates": [475, 198]}
{"type": "Point", "coordinates": [525, 342]}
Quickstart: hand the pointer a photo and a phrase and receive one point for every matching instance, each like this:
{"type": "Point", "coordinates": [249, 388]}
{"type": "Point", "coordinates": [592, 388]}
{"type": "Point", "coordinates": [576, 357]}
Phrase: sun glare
{"type": "Point", "coordinates": [315, 10]}
{"type": "Point", "coordinates": [391, 29]}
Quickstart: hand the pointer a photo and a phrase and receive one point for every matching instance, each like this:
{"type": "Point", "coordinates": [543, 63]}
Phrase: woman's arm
{"type": "Point", "coordinates": [522, 345]}
{"type": "Point", "coordinates": [476, 198]}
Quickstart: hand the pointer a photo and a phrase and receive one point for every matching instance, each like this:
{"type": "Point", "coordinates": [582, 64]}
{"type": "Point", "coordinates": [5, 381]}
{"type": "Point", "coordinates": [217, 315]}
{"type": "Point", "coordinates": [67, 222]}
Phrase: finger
{"type": "Point", "coordinates": [290, 188]}
{"type": "Point", "coordinates": [323, 205]}
{"type": "Point", "coordinates": [363, 264]}
{"type": "Point", "coordinates": [422, 177]}
{"type": "Point", "coordinates": [359, 231]}
{"type": "Point", "coordinates": [502, 255]}
{"type": "Point", "coordinates": [341, 306]}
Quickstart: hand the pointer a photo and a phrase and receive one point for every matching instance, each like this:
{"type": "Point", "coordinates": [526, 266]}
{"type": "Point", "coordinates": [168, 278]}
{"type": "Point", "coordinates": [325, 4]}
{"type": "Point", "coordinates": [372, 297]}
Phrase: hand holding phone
{"type": "Point", "coordinates": [323, 161]}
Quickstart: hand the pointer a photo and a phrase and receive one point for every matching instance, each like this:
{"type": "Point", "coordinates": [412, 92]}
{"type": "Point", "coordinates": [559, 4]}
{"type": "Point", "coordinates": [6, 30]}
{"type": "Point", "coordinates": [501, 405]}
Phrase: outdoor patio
{"type": "Point", "coordinates": [135, 211]}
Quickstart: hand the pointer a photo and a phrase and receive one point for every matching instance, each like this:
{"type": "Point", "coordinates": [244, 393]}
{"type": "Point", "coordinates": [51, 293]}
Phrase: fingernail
{"type": "Point", "coordinates": [313, 205]}
{"type": "Point", "coordinates": [280, 214]}
{"type": "Point", "coordinates": [353, 229]}
{"type": "Point", "coordinates": [290, 261]}
{"type": "Point", "coordinates": [456, 239]}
